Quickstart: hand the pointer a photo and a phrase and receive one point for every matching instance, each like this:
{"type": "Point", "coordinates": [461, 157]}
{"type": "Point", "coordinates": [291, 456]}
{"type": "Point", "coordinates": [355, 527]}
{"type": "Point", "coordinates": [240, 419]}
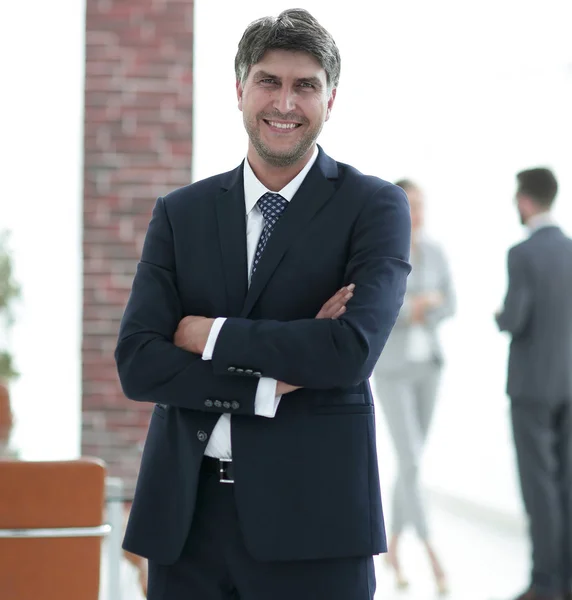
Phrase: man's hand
{"type": "Point", "coordinates": [285, 388]}
{"type": "Point", "coordinates": [336, 306]}
{"type": "Point", "coordinates": [192, 334]}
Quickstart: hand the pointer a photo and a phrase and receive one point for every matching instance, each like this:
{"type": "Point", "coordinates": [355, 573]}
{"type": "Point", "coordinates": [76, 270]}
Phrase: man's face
{"type": "Point", "coordinates": [285, 102]}
{"type": "Point", "coordinates": [522, 205]}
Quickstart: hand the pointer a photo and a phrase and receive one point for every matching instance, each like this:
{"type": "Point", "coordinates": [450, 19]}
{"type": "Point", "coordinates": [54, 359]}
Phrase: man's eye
{"type": "Point", "coordinates": [307, 84]}
{"type": "Point", "coordinates": [268, 80]}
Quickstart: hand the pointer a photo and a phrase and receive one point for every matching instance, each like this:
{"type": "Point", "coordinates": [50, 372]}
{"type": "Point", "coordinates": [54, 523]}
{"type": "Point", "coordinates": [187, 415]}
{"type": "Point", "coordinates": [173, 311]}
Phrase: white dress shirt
{"type": "Point", "coordinates": [540, 220]}
{"type": "Point", "coordinates": [266, 402]}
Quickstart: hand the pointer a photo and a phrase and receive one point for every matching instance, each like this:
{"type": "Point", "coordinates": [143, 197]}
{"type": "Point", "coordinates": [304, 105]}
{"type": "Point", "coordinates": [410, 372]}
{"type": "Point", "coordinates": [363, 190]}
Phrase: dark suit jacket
{"type": "Point", "coordinates": [306, 481]}
{"type": "Point", "coordinates": [538, 315]}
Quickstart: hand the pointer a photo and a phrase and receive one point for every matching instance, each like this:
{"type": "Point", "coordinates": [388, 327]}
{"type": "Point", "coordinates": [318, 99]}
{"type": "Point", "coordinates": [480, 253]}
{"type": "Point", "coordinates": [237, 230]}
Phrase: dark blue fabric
{"type": "Point", "coordinates": [215, 564]}
{"type": "Point", "coordinates": [307, 484]}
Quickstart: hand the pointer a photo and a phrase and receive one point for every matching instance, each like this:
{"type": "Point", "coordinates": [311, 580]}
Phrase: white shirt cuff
{"type": "Point", "coordinates": [213, 335]}
{"type": "Point", "coordinates": [266, 402]}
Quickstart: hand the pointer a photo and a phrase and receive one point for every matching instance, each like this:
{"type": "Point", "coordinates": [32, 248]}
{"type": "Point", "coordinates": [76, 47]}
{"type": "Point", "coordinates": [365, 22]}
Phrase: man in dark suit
{"type": "Point", "coordinates": [259, 476]}
{"type": "Point", "coordinates": [538, 314]}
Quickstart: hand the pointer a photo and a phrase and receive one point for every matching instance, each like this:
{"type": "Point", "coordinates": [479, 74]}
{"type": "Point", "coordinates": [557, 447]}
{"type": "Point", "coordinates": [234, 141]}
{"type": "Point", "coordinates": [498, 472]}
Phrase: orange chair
{"type": "Point", "coordinates": [51, 526]}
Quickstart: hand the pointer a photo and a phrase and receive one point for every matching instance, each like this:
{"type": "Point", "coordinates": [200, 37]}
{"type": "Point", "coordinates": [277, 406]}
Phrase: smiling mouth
{"type": "Point", "coordinates": [282, 126]}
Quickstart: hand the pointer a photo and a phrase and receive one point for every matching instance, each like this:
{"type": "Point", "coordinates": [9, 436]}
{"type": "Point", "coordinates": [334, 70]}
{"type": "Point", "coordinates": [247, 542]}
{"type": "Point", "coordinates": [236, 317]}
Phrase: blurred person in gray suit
{"type": "Point", "coordinates": [537, 313]}
{"type": "Point", "coordinates": [407, 378]}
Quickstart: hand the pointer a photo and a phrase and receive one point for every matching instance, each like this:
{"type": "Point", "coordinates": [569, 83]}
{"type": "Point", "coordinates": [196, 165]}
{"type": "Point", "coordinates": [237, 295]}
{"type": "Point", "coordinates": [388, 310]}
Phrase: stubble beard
{"type": "Point", "coordinates": [288, 157]}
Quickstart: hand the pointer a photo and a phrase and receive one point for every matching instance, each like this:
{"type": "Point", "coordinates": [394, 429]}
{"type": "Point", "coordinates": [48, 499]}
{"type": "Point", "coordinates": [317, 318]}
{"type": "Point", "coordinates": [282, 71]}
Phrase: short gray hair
{"type": "Point", "coordinates": [294, 29]}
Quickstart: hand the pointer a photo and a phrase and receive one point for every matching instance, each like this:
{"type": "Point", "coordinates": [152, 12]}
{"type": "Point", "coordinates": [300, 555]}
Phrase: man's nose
{"type": "Point", "coordinates": [285, 100]}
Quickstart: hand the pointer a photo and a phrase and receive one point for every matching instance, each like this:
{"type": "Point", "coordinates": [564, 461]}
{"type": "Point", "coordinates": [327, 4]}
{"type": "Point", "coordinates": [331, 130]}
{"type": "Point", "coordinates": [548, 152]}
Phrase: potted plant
{"type": "Point", "coordinates": [9, 292]}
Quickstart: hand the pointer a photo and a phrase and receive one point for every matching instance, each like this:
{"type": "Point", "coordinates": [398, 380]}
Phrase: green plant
{"type": "Point", "coordinates": [9, 292]}
{"type": "Point", "coordinates": [7, 370]}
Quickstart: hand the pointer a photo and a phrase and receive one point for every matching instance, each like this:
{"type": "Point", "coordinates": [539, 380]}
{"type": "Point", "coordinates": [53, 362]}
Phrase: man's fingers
{"type": "Point", "coordinates": [334, 309]}
{"type": "Point", "coordinates": [347, 289]}
{"type": "Point", "coordinates": [329, 303]}
{"type": "Point", "coordinates": [331, 309]}
{"type": "Point", "coordinates": [340, 296]}
{"type": "Point", "coordinates": [343, 291]}
{"type": "Point", "coordinates": [340, 312]}
{"type": "Point", "coordinates": [342, 301]}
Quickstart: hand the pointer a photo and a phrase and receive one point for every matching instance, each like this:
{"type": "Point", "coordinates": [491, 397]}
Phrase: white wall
{"type": "Point", "coordinates": [41, 119]}
{"type": "Point", "coordinates": [459, 99]}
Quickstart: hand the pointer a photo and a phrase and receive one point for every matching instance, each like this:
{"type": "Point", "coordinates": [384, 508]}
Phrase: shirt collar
{"type": "Point", "coordinates": [254, 189]}
{"type": "Point", "coordinates": [540, 220]}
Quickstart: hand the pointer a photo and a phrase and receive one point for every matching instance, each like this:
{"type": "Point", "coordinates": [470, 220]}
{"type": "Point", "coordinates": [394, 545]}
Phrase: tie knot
{"type": "Point", "coordinates": [272, 206]}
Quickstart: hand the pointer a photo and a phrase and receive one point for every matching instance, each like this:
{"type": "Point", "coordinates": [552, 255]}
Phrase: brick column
{"type": "Point", "coordinates": [137, 146]}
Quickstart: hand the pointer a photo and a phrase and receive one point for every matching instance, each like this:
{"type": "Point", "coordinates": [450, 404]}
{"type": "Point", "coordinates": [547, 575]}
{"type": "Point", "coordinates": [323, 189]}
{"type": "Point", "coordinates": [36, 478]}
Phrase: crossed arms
{"type": "Point", "coordinates": [321, 353]}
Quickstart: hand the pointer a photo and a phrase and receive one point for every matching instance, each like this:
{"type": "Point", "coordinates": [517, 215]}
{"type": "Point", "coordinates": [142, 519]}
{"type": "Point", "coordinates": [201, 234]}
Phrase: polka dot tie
{"type": "Point", "coordinates": [272, 206]}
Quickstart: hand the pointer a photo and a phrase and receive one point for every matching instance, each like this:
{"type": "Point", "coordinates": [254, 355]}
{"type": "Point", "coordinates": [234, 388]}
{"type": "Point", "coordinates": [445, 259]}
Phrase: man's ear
{"type": "Point", "coordinates": [331, 103]}
{"type": "Point", "coordinates": [239, 92]}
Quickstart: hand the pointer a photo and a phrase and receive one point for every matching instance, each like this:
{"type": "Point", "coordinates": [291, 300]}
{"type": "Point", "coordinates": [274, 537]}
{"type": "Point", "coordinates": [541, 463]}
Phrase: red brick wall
{"type": "Point", "coordinates": [137, 146]}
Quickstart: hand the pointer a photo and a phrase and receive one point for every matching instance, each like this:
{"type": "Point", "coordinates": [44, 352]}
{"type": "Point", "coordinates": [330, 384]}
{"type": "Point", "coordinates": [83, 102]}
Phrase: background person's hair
{"type": "Point", "coordinates": [294, 29]}
{"type": "Point", "coordinates": [406, 185]}
{"type": "Point", "coordinates": [539, 184]}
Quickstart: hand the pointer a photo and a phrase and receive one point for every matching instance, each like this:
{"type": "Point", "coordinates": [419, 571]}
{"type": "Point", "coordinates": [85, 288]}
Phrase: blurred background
{"type": "Point", "coordinates": [107, 105]}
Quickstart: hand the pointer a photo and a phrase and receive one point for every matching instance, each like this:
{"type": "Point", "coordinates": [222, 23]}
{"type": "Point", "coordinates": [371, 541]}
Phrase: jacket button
{"type": "Point", "coordinates": [226, 404]}
{"type": "Point", "coordinates": [218, 403]}
{"type": "Point", "coordinates": [208, 403]}
{"type": "Point", "coordinates": [231, 369]}
{"type": "Point", "coordinates": [202, 436]}
{"type": "Point", "coordinates": [240, 370]}
{"type": "Point", "coordinates": [249, 371]}
{"type": "Point", "coordinates": [235, 405]}
{"type": "Point", "coordinates": [257, 374]}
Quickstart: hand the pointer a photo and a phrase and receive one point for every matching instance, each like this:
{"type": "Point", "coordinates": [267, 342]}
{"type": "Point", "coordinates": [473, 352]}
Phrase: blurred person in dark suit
{"type": "Point", "coordinates": [537, 313]}
{"type": "Point", "coordinates": [259, 476]}
{"type": "Point", "coordinates": [407, 378]}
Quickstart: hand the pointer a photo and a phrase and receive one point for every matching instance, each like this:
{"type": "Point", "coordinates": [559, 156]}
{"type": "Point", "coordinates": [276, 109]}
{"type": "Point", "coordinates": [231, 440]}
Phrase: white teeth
{"type": "Point", "coordinates": [283, 125]}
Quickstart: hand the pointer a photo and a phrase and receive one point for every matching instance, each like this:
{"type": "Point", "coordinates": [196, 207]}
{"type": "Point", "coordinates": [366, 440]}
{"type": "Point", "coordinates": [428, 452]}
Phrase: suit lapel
{"type": "Point", "coordinates": [231, 218]}
{"type": "Point", "coordinates": [314, 192]}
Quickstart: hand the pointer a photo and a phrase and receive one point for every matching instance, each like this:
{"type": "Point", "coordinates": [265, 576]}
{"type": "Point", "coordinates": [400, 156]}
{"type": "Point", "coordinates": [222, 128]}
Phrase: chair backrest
{"type": "Point", "coordinates": [35, 498]}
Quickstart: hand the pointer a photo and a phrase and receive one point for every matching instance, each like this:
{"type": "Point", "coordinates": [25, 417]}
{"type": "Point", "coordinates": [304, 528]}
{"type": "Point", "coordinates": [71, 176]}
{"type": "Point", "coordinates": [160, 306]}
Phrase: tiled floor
{"type": "Point", "coordinates": [130, 588]}
{"type": "Point", "coordinates": [481, 563]}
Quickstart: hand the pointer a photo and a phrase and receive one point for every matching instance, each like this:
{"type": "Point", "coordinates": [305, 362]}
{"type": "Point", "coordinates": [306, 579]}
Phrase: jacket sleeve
{"type": "Point", "coordinates": [404, 317]}
{"type": "Point", "coordinates": [517, 308]}
{"type": "Point", "coordinates": [325, 353]}
{"type": "Point", "coordinates": [151, 368]}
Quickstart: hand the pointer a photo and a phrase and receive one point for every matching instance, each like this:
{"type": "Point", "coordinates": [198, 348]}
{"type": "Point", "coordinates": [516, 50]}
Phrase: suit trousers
{"type": "Point", "coordinates": [215, 564]}
{"type": "Point", "coordinates": [408, 397]}
{"type": "Point", "coordinates": [543, 442]}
